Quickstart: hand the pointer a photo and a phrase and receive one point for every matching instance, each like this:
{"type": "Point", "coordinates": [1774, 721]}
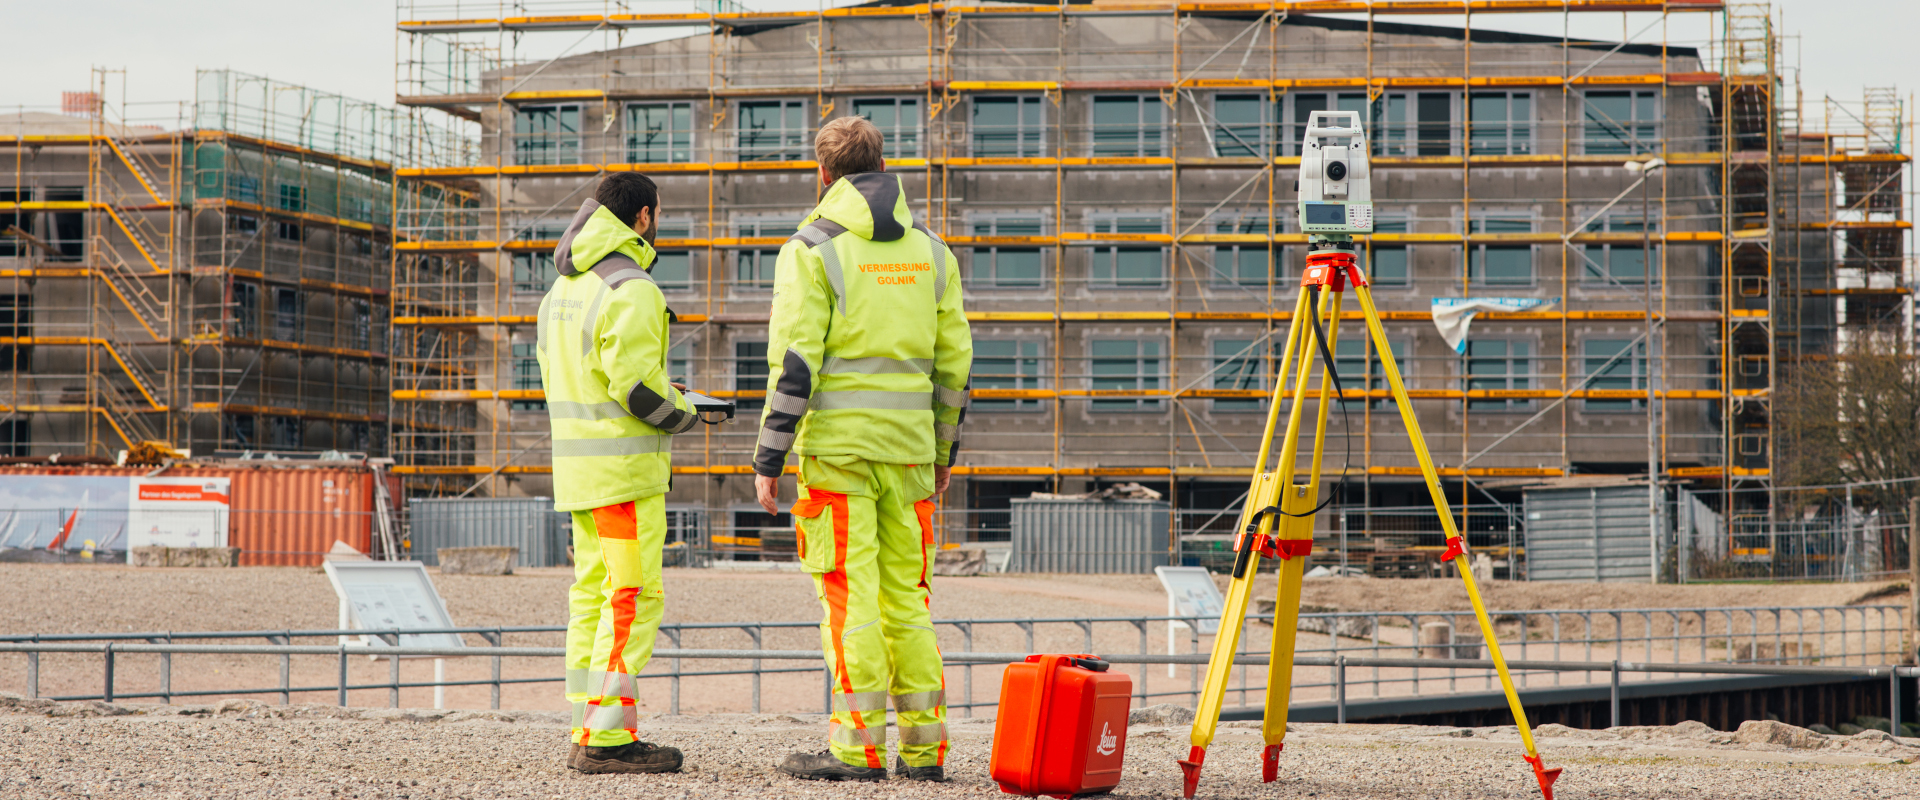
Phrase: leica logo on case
{"type": "Point", "coordinates": [1108, 741]}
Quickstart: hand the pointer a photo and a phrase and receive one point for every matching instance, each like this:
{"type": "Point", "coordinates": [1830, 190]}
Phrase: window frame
{"type": "Point", "coordinates": [1477, 252]}
{"type": "Point", "coordinates": [1295, 127]}
{"type": "Point", "coordinates": [975, 280]}
{"type": "Point", "coordinates": [749, 374]}
{"type": "Point", "coordinates": [1510, 380]}
{"type": "Point", "coordinates": [1253, 378]}
{"type": "Point", "coordinates": [1405, 225]}
{"type": "Point", "coordinates": [673, 228]}
{"type": "Point", "coordinates": [1372, 367]}
{"type": "Point", "coordinates": [525, 355]}
{"type": "Point", "coordinates": [1140, 377]}
{"type": "Point", "coordinates": [563, 150]}
{"type": "Point", "coordinates": [763, 256]}
{"type": "Point", "coordinates": [1149, 137]}
{"type": "Point", "coordinates": [1407, 137]}
{"type": "Point", "coordinates": [1219, 278]}
{"type": "Point", "coordinates": [1634, 136]}
{"type": "Point", "coordinates": [891, 135]}
{"type": "Point", "coordinates": [633, 149]}
{"type": "Point", "coordinates": [1112, 252]}
{"type": "Point", "coordinates": [1516, 136]}
{"type": "Point", "coordinates": [1590, 278]}
{"type": "Point", "coordinates": [791, 146]}
{"type": "Point", "coordinates": [1026, 143]}
{"type": "Point", "coordinates": [1636, 363]}
{"type": "Point", "coordinates": [1019, 379]}
{"type": "Point", "coordinates": [1220, 140]}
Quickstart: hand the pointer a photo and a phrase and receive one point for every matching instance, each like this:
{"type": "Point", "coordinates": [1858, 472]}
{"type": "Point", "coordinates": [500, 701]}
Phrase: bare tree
{"type": "Point", "coordinates": [1853, 418]}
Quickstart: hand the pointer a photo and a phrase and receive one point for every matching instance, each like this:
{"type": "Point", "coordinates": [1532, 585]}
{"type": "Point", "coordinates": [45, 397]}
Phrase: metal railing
{"type": "Point", "coordinates": [1394, 659]}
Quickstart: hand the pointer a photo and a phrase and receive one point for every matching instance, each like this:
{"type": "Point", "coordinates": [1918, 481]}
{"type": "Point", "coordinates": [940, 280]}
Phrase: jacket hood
{"type": "Point", "coordinates": [869, 205]}
{"type": "Point", "coordinates": [592, 235]}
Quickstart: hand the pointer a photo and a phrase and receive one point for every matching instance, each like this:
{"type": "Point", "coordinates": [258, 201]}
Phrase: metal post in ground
{"type": "Point", "coordinates": [393, 673]}
{"type": "Point", "coordinates": [1613, 697]}
{"type": "Point", "coordinates": [33, 674]}
{"type": "Point", "coordinates": [166, 670]}
{"type": "Point", "coordinates": [343, 676]}
{"type": "Point", "coordinates": [107, 695]}
{"type": "Point", "coordinates": [756, 632]}
{"type": "Point", "coordinates": [1893, 701]}
{"type": "Point", "coordinates": [493, 639]}
{"type": "Point", "coordinates": [286, 670]}
{"type": "Point", "coordinates": [673, 696]}
{"type": "Point", "coordinates": [1340, 690]}
{"type": "Point", "coordinates": [966, 632]}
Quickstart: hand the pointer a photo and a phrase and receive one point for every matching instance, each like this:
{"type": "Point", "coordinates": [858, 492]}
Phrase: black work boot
{"type": "Point", "coordinates": [825, 766]}
{"type": "Point", "coordinates": [629, 757]}
{"type": "Point", "coordinates": [573, 756]}
{"type": "Point", "coordinates": [935, 773]}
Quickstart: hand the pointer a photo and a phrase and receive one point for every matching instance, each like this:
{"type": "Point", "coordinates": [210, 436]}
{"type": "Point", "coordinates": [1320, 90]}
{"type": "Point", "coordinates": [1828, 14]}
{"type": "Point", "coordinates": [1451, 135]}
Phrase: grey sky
{"type": "Point", "coordinates": [348, 46]}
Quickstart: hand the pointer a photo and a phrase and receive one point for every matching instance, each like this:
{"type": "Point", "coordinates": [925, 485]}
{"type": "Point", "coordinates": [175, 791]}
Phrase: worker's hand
{"type": "Point", "coordinates": [680, 386]}
{"type": "Point", "coordinates": [942, 477]}
{"type": "Point", "coordinates": [767, 491]}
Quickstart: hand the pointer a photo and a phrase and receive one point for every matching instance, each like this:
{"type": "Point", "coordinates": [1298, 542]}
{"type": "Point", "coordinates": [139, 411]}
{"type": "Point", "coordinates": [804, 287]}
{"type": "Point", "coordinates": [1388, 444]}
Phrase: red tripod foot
{"type": "Point", "coordinates": [1270, 763]}
{"type": "Point", "coordinates": [1541, 773]}
{"type": "Point", "coordinates": [1190, 770]}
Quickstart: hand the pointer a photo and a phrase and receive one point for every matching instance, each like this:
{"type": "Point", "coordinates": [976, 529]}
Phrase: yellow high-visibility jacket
{"type": "Point", "coordinates": [869, 347]}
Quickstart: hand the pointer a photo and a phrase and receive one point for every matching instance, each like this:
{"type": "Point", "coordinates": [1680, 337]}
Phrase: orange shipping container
{"type": "Point", "coordinates": [280, 515]}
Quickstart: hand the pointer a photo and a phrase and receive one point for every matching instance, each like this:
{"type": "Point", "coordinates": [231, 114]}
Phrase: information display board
{"type": "Point", "coordinates": [178, 512]}
{"type": "Point", "coordinates": [390, 595]}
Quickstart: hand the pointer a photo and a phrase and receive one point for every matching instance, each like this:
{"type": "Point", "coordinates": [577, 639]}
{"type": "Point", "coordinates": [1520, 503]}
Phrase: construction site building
{"type": "Point", "coordinates": [204, 276]}
{"type": "Point", "coordinates": [1117, 181]}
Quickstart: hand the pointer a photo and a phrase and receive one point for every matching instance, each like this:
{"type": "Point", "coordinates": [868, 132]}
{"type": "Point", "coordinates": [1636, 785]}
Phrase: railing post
{"type": "Point", "coordinates": [343, 676]}
{"type": "Point", "coordinates": [107, 694]}
{"type": "Point", "coordinates": [673, 695]}
{"type": "Point", "coordinates": [1141, 624]}
{"type": "Point", "coordinates": [286, 670]}
{"type": "Point", "coordinates": [1893, 700]}
{"type": "Point", "coordinates": [1340, 690]}
{"type": "Point", "coordinates": [393, 673]}
{"type": "Point", "coordinates": [1613, 696]}
{"type": "Point", "coordinates": [756, 632]}
{"type": "Point", "coordinates": [33, 675]}
{"type": "Point", "coordinates": [495, 638]}
{"type": "Point", "coordinates": [966, 632]}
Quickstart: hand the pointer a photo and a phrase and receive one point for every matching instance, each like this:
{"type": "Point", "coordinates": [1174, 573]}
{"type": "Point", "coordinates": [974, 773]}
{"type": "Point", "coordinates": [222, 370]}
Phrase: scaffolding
{"type": "Point", "coordinates": [1172, 225]}
{"type": "Point", "coordinates": [205, 276]}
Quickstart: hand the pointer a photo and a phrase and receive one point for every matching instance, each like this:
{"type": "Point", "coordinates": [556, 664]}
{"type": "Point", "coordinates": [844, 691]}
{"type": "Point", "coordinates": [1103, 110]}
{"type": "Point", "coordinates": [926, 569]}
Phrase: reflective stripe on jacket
{"type": "Point", "coordinates": [603, 360]}
{"type": "Point", "coordinates": [868, 346]}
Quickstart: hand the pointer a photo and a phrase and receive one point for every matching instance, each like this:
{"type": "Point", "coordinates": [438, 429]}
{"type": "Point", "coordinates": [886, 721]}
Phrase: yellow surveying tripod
{"type": "Point", "coordinates": [1277, 521]}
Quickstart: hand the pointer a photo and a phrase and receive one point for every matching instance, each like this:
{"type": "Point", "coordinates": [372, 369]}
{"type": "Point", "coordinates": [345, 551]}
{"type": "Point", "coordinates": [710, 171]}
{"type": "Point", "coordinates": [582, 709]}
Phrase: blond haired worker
{"type": "Point", "coordinates": [870, 351]}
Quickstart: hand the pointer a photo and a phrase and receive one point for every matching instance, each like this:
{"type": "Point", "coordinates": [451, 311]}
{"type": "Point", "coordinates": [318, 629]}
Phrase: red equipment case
{"type": "Point", "coordinates": [1062, 726]}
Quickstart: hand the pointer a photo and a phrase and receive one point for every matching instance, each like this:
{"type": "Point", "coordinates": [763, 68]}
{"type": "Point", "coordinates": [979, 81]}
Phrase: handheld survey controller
{"type": "Point", "coordinates": [711, 410]}
{"type": "Point", "coordinates": [1277, 521]}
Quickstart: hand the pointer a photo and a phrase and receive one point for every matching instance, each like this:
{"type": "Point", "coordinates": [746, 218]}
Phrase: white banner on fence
{"type": "Point", "coordinates": [178, 512]}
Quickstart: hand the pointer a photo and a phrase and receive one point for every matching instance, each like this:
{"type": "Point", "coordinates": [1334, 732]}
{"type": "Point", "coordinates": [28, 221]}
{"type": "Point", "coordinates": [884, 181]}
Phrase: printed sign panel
{"type": "Point", "coordinates": [392, 595]}
{"type": "Point", "coordinates": [1191, 592]}
{"type": "Point", "coordinates": [178, 512]}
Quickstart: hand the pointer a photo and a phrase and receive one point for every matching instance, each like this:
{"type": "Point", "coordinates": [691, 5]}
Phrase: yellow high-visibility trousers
{"type": "Point", "coordinates": [615, 604]}
{"type": "Point", "coordinates": [866, 536]}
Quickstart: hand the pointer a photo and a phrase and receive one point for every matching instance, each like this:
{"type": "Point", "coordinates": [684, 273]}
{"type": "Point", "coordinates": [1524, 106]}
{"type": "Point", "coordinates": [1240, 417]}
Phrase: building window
{"type": "Point", "coordinates": [244, 188]}
{"type": "Point", "coordinates": [1389, 264]}
{"type": "Point", "coordinates": [659, 133]}
{"type": "Point", "coordinates": [753, 266]}
{"type": "Point", "coordinates": [673, 269]}
{"type": "Point", "coordinates": [363, 324]}
{"type": "Point", "coordinates": [1007, 267]}
{"type": "Point", "coordinates": [245, 226]}
{"type": "Point", "coordinates": [680, 364]}
{"type": "Point", "coordinates": [246, 310]}
{"type": "Point", "coordinates": [546, 135]}
{"type": "Point", "coordinates": [293, 198]}
{"type": "Point", "coordinates": [749, 375]}
{"type": "Point", "coordinates": [1008, 127]}
{"type": "Point", "coordinates": [1626, 372]}
{"type": "Point", "coordinates": [1620, 264]}
{"type": "Point", "coordinates": [532, 273]}
{"type": "Point", "coordinates": [1413, 124]}
{"type": "Point", "coordinates": [289, 231]}
{"type": "Point", "coordinates": [1120, 266]}
{"type": "Point", "coordinates": [286, 314]}
{"type": "Point", "coordinates": [1126, 365]}
{"type": "Point", "coordinates": [1361, 369]}
{"type": "Point", "coordinates": [1242, 125]}
{"type": "Point", "coordinates": [1238, 364]}
{"type": "Point", "coordinates": [898, 119]}
{"type": "Point", "coordinates": [1502, 123]}
{"type": "Point", "coordinates": [1006, 364]}
{"type": "Point", "coordinates": [1499, 365]}
{"type": "Point", "coordinates": [526, 376]}
{"type": "Point", "coordinates": [1305, 103]}
{"type": "Point", "coordinates": [1622, 122]}
{"type": "Point", "coordinates": [1497, 264]}
{"type": "Point", "coordinates": [1128, 125]}
{"type": "Point", "coordinates": [773, 130]}
{"type": "Point", "coordinates": [1243, 263]}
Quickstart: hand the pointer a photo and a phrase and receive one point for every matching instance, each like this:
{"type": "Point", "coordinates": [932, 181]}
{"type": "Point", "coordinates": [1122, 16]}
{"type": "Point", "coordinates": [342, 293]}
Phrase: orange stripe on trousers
{"type": "Point", "coordinates": [837, 590]}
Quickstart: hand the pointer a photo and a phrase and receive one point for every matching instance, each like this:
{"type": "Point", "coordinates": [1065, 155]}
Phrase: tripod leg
{"type": "Point", "coordinates": [1294, 544]}
{"type": "Point", "coordinates": [1456, 546]}
{"type": "Point", "coordinates": [1252, 525]}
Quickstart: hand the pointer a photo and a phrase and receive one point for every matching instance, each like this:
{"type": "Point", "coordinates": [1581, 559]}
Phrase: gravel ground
{"type": "Point", "coordinates": [243, 749]}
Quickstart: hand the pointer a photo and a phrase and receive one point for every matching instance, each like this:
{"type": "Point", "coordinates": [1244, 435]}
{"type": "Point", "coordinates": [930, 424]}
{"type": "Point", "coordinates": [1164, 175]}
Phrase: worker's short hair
{"type": "Point", "coordinates": [626, 193]}
{"type": "Point", "coordinates": [847, 146]}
